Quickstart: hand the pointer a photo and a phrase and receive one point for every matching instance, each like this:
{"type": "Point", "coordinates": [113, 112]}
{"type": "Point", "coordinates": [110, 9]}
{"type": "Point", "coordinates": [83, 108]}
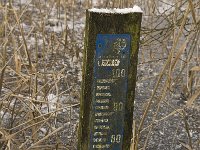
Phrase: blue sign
{"type": "Point", "coordinates": [109, 91]}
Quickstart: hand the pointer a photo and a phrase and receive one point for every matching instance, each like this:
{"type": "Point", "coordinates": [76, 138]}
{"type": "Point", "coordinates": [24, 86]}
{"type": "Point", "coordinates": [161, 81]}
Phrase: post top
{"type": "Point", "coordinates": [135, 9]}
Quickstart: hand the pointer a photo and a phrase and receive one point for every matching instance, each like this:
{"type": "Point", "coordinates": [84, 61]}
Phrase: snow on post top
{"type": "Point", "coordinates": [136, 9]}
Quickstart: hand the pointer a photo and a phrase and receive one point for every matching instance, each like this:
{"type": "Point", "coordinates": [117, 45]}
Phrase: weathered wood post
{"type": "Point", "coordinates": [109, 78]}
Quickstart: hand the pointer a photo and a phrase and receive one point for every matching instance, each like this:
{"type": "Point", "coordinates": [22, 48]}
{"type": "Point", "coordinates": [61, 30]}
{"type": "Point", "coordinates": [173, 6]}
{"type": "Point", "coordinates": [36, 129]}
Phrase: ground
{"type": "Point", "coordinates": [41, 50]}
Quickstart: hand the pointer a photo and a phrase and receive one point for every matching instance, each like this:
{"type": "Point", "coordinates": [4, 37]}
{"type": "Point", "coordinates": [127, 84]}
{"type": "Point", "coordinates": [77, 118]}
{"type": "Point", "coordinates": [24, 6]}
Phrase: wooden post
{"type": "Point", "coordinates": [109, 78]}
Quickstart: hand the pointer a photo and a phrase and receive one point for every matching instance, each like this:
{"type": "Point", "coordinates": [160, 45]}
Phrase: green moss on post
{"type": "Point", "coordinates": [108, 23]}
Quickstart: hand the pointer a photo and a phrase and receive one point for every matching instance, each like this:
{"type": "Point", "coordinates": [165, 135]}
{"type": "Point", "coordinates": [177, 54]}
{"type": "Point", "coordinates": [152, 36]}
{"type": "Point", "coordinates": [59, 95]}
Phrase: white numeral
{"type": "Point", "coordinates": [117, 73]}
{"type": "Point", "coordinates": [116, 138]}
{"type": "Point", "coordinates": [118, 106]}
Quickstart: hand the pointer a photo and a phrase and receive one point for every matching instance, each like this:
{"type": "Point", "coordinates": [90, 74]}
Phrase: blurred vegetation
{"type": "Point", "coordinates": [41, 47]}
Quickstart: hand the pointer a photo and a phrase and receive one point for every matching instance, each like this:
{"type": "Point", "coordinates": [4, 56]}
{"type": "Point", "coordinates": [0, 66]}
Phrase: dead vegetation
{"type": "Point", "coordinates": [41, 46]}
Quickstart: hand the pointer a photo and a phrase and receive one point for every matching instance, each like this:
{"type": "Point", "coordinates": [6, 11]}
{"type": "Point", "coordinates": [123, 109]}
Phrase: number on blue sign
{"type": "Point", "coordinates": [118, 106]}
{"type": "Point", "coordinates": [116, 138]}
{"type": "Point", "coordinates": [118, 73]}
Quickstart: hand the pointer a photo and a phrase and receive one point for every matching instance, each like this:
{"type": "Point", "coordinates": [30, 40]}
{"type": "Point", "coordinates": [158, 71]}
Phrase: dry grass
{"type": "Point", "coordinates": [40, 62]}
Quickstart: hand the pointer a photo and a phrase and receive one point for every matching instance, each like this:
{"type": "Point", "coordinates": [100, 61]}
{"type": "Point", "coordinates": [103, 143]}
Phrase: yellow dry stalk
{"type": "Point", "coordinates": [193, 11]}
{"type": "Point", "coordinates": [192, 99]}
{"type": "Point", "coordinates": [17, 58]}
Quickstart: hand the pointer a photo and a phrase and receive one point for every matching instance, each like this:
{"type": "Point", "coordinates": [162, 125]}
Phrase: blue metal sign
{"type": "Point", "coordinates": [109, 91]}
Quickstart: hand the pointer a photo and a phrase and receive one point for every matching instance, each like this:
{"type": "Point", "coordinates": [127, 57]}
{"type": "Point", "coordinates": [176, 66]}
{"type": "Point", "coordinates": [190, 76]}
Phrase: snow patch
{"type": "Point", "coordinates": [135, 9]}
{"type": "Point", "coordinates": [25, 1]}
{"type": "Point", "coordinates": [52, 101]}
